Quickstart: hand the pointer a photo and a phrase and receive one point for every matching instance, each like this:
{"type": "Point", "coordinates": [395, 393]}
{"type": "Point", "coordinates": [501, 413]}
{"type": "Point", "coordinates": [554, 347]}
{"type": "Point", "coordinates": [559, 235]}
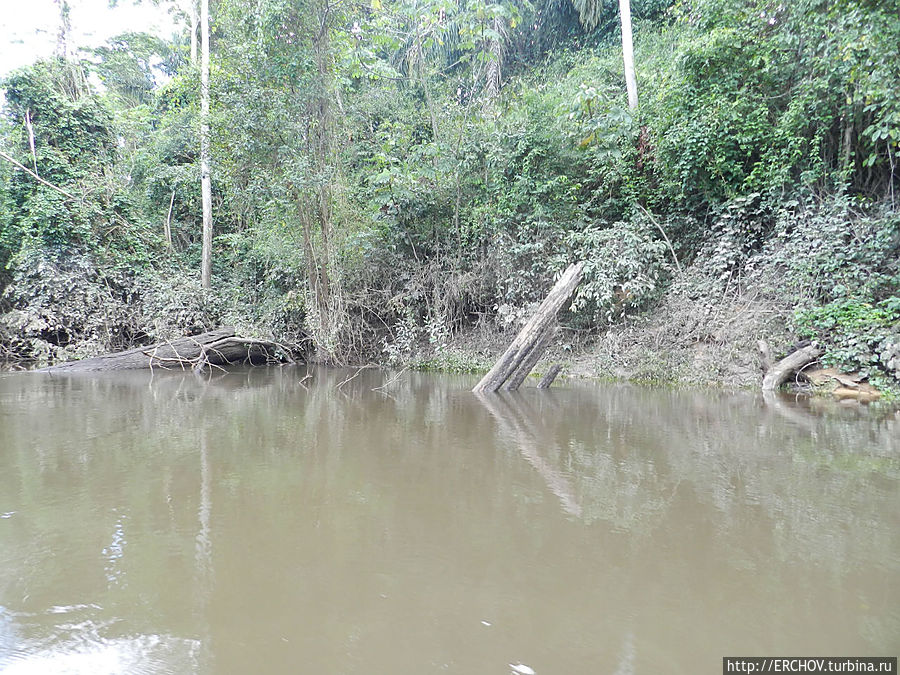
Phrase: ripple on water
{"type": "Point", "coordinates": [79, 647]}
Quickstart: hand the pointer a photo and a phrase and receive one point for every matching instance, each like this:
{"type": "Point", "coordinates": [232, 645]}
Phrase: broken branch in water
{"type": "Point", "coordinates": [391, 381]}
{"type": "Point", "coordinates": [352, 377]}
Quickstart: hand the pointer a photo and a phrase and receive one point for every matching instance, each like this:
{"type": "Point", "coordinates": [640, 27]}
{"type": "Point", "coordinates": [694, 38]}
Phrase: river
{"type": "Point", "coordinates": [279, 520]}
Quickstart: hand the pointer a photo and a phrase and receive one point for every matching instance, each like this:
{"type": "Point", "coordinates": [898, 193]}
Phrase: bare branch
{"type": "Point", "coordinates": [663, 233]}
{"type": "Point", "coordinates": [35, 176]}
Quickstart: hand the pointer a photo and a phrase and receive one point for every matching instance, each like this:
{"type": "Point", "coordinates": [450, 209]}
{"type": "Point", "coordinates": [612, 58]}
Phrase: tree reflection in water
{"type": "Point", "coordinates": [611, 524]}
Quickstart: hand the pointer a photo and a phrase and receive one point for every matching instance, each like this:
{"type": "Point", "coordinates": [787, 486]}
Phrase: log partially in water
{"type": "Point", "coordinates": [525, 351]}
{"type": "Point", "coordinates": [530, 359]}
{"type": "Point", "coordinates": [217, 347]}
{"type": "Point", "coordinates": [793, 362]}
{"type": "Point", "coordinates": [549, 376]}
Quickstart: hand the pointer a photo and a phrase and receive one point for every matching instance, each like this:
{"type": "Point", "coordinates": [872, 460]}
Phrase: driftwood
{"type": "Point", "coordinates": [533, 355]}
{"type": "Point", "coordinates": [783, 369]}
{"type": "Point", "coordinates": [217, 347]}
{"type": "Point", "coordinates": [765, 355]}
{"type": "Point", "coordinates": [525, 351]}
{"type": "Point", "coordinates": [549, 376]}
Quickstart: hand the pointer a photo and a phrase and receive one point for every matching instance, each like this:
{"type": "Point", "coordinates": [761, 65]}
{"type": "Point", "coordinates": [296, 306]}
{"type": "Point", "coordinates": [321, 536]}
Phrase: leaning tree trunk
{"type": "Point", "coordinates": [530, 359]}
{"type": "Point", "coordinates": [549, 376]}
{"type": "Point", "coordinates": [533, 338]}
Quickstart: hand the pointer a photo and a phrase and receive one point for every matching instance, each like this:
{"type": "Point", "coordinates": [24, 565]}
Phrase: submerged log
{"type": "Point", "coordinates": [782, 370]}
{"type": "Point", "coordinates": [533, 338]}
{"type": "Point", "coordinates": [217, 347]}
{"type": "Point", "coordinates": [549, 376]}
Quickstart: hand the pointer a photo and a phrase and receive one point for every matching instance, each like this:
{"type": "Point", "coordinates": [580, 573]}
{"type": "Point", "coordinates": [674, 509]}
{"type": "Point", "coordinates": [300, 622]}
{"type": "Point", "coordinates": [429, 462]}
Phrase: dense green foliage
{"type": "Point", "coordinates": [388, 173]}
{"type": "Point", "coordinates": [864, 336]}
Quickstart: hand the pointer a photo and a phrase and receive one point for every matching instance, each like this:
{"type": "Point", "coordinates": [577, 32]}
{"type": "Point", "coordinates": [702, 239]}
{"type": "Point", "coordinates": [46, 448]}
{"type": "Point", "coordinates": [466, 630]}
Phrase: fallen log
{"type": "Point", "coordinates": [533, 338]}
{"type": "Point", "coordinates": [217, 347]}
{"type": "Point", "coordinates": [783, 369]}
{"type": "Point", "coordinates": [549, 376]}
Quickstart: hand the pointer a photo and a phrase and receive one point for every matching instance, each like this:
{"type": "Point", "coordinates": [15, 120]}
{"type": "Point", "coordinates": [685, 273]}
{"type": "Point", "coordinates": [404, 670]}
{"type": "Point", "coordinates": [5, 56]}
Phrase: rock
{"type": "Point", "coordinates": [864, 393]}
{"type": "Point", "coordinates": [822, 376]}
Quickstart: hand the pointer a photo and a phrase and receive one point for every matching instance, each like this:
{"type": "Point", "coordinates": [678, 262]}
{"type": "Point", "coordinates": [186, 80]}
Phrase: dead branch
{"type": "Point", "coordinates": [391, 381]}
{"type": "Point", "coordinates": [351, 378]}
{"type": "Point", "coordinates": [665, 236]}
{"type": "Point", "coordinates": [35, 176]}
{"type": "Point", "coordinates": [781, 371]}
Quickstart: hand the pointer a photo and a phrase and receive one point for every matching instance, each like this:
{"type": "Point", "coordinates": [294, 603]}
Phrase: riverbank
{"type": "Point", "coordinates": [687, 340]}
{"type": "Point", "coordinates": [699, 327]}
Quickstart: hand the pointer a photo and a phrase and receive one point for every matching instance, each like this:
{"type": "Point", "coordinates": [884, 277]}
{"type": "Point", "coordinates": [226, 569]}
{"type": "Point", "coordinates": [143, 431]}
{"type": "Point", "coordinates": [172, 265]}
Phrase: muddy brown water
{"type": "Point", "coordinates": [270, 521]}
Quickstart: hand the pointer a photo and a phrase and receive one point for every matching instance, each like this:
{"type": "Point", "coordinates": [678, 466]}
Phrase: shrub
{"type": "Point", "coordinates": [858, 335]}
{"type": "Point", "coordinates": [625, 269]}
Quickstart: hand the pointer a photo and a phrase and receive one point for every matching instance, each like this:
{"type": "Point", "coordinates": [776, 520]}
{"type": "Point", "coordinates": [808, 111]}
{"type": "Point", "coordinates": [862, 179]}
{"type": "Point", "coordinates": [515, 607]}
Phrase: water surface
{"type": "Point", "coordinates": [279, 521]}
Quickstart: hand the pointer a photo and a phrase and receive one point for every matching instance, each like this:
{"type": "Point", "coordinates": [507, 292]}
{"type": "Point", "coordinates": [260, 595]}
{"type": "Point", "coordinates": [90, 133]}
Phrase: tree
{"type": "Point", "coordinates": [628, 53]}
{"type": "Point", "coordinates": [205, 186]}
{"type": "Point", "coordinates": [593, 14]}
{"type": "Point", "coordinates": [193, 19]}
{"type": "Point", "coordinates": [70, 141]}
{"type": "Point", "coordinates": [129, 65]}
{"type": "Point", "coordinates": [65, 29]}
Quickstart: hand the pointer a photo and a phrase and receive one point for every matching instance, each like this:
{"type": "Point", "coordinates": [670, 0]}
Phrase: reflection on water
{"type": "Point", "coordinates": [78, 645]}
{"type": "Point", "coordinates": [267, 520]}
{"type": "Point", "coordinates": [113, 553]}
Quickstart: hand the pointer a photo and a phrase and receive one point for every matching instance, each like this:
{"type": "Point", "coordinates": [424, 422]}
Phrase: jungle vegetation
{"type": "Point", "coordinates": [388, 174]}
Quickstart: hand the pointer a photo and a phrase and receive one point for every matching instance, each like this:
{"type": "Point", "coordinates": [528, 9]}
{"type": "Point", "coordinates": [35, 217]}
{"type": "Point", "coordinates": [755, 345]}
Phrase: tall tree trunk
{"type": "Point", "coordinates": [493, 74]}
{"type": "Point", "coordinates": [324, 294]}
{"type": "Point", "coordinates": [65, 29]}
{"type": "Point", "coordinates": [205, 186]}
{"type": "Point", "coordinates": [167, 227]}
{"type": "Point", "coordinates": [194, 22]}
{"type": "Point", "coordinates": [628, 53]}
{"type": "Point", "coordinates": [30, 128]}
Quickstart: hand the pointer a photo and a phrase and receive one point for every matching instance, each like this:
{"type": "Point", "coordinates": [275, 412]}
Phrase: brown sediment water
{"type": "Point", "coordinates": [279, 520]}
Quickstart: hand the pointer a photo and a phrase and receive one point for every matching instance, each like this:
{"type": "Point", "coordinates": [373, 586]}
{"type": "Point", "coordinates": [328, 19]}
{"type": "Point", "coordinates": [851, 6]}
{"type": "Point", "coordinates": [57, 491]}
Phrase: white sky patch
{"type": "Point", "coordinates": [29, 28]}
